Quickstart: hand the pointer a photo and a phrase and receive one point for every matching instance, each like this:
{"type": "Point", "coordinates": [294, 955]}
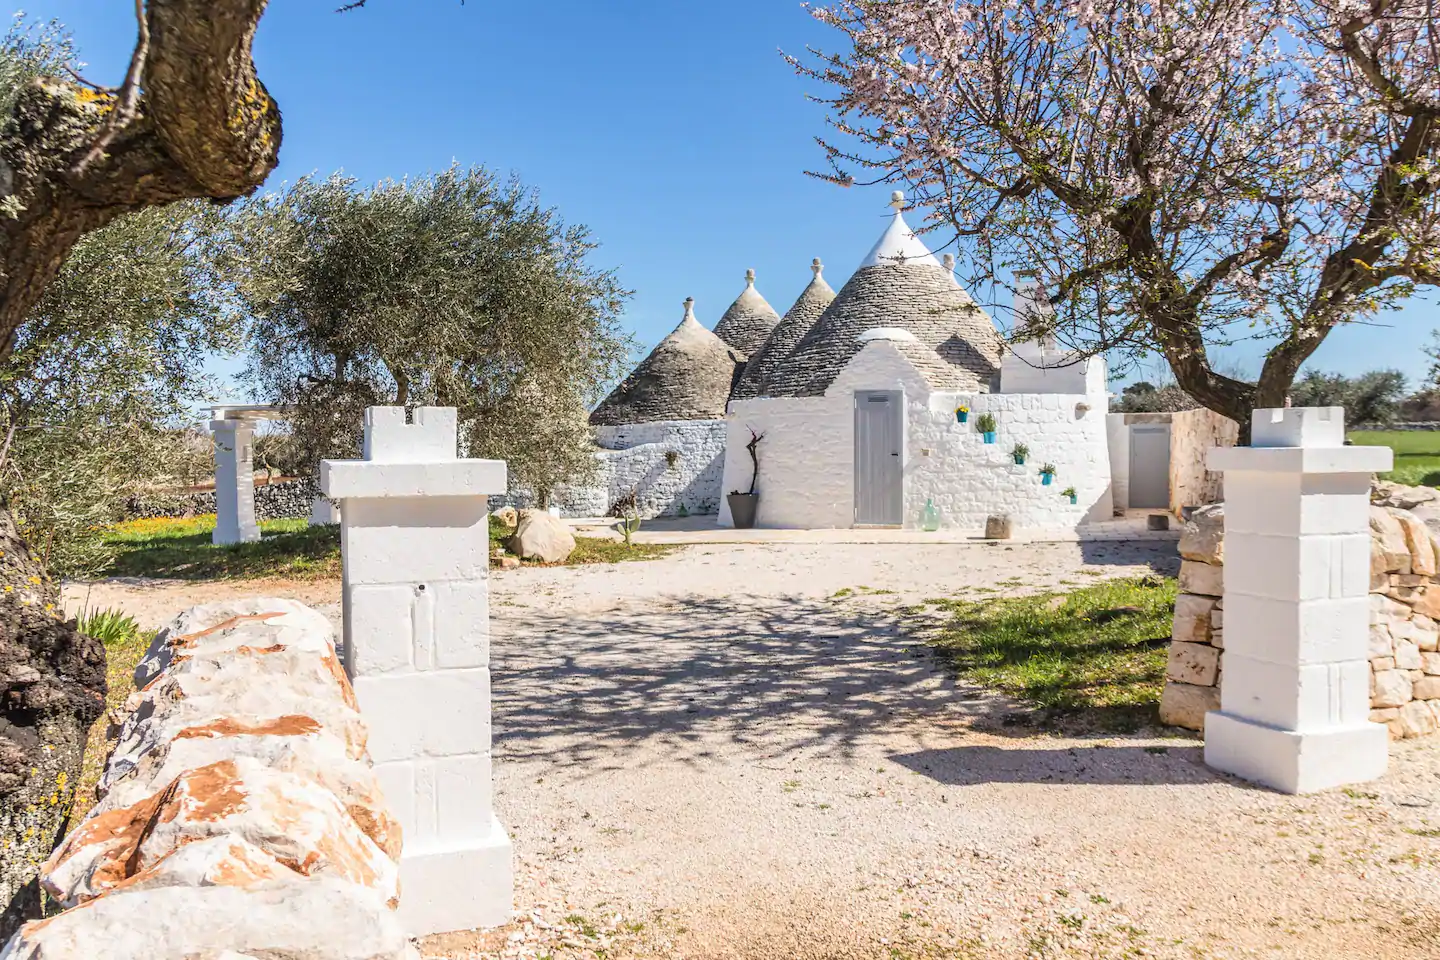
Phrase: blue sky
{"type": "Point", "coordinates": [674, 130]}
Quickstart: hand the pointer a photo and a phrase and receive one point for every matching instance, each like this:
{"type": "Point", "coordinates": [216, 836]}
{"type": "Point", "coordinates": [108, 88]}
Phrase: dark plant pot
{"type": "Point", "coordinates": [1047, 478]}
{"type": "Point", "coordinates": [1019, 460]}
{"type": "Point", "coordinates": [962, 416]}
{"type": "Point", "coordinates": [1073, 498]}
{"type": "Point", "coordinates": [989, 437]}
{"type": "Point", "coordinates": [742, 509]}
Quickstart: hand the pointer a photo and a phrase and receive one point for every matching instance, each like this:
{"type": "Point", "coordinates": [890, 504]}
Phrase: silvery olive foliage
{"type": "Point", "coordinates": [1181, 174]}
{"type": "Point", "coordinates": [456, 288]}
{"type": "Point", "coordinates": [99, 381]}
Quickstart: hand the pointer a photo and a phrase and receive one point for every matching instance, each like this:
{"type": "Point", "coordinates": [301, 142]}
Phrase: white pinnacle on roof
{"type": "Point", "coordinates": [898, 244]}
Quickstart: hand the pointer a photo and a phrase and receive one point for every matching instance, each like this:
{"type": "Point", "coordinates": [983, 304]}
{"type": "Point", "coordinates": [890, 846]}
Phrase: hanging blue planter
{"type": "Point", "coordinates": [962, 416]}
{"type": "Point", "coordinates": [1073, 498]}
{"type": "Point", "coordinates": [1046, 478]}
{"type": "Point", "coordinates": [1019, 459]}
{"type": "Point", "coordinates": [989, 437]}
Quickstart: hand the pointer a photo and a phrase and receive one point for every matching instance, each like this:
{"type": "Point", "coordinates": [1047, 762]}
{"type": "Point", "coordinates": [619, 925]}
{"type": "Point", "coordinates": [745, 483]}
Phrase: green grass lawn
{"type": "Point", "coordinates": [289, 549]}
{"type": "Point", "coordinates": [1417, 454]}
{"type": "Point", "coordinates": [1099, 652]}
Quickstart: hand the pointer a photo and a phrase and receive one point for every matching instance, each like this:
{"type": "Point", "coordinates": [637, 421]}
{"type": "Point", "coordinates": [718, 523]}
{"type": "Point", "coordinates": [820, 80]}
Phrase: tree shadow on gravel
{"type": "Point", "coordinates": [694, 676]}
{"type": "Point", "coordinates": [1097, 764]}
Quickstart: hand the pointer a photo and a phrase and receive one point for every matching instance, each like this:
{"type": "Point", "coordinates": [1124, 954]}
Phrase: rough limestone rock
{"type": "Point", "coordinates": [1392, 689]}
{"type": "Point", "coordinates": [52, 688]}
{"type": "Point", "coordinates": [1203, 537]}
{"type": "Point", "coordinates": [1195, 618]}
{"type": "Point", "coordinates": [997, 528]}
{"type": "Point", "coordinates": [1185, 705]}
{"type": "Point", "coordinates": [1194, 663]}
{"type": "Point", "coordinates": [542, 537]}
{"type": "Point", "coordinates": [1417, 543]}
{"type": "Point", "coordinates": [1417, 719]}
{"type": "Point", "coordinates": [1204, 579]}
{"type": "Point", "coordinates": [210, 629]}
{"type": "Point", "coordinates": [507, 515]}
{"type": "Point", "coordinates": [295, 821]}
{"type": "Point", "coordinates": [1387, 538]}
{"type": "Point", "coordinates": [321, 919]}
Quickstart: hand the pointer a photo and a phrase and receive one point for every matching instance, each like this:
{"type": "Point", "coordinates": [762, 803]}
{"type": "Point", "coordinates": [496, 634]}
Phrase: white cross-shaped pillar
{"type": "Point", "coordinates": [416, 548]}
{"type": "Point", "coordinates": [1295, 702]}
{"type": "Point", "coordinates": [234, 481]}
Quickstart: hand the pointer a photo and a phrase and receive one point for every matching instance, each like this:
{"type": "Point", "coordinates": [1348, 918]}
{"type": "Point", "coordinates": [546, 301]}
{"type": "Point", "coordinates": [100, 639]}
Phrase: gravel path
{"type": "Point", "coordinates": [713, 755]}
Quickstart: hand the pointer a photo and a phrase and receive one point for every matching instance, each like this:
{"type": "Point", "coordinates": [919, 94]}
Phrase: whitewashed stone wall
{"type": "Point", "coordinates": [807, 459]}
{"type": "Point", "coordinates": [674, 466]}
{"type": "Point", "coordinates": [1404, 617]}
{"type": "Point", "coordinates": [238, 813]}
{"type": "Point", "coordinates": [1117, 434]}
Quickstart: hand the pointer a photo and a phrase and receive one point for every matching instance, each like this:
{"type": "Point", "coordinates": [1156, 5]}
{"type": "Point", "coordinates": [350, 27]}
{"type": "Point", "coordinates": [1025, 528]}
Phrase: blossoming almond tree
{"type": "Point", "coordinates": [1183, 173]}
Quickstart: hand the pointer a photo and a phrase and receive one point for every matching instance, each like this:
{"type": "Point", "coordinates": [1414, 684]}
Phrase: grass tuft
{"type": "Point", "coordinates": [1099, 650]}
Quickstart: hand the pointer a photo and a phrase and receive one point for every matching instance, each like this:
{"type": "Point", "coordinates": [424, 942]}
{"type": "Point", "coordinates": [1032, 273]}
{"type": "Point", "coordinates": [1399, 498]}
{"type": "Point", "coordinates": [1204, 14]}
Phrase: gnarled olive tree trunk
{"type": "Point", "coordinates": [191, 120]}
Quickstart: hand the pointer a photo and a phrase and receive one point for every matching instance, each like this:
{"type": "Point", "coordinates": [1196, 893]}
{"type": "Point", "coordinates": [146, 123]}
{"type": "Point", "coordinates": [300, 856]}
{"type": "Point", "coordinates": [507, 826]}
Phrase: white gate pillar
{"type": "Point", "coordinates": [415, 540]}
{"type": "Point", "coordinates": [1295, 701]}
{"type": "Point", "coordinates": [234, 481]}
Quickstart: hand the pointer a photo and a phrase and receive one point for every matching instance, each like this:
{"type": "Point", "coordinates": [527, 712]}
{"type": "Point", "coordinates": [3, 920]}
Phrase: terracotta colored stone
{"type": "Point", "coordinates": [1428, 688]}
{"type": "Point", "coordinates": [296, 821]}
{"type": "Point", "coordinates": [1388, 540]}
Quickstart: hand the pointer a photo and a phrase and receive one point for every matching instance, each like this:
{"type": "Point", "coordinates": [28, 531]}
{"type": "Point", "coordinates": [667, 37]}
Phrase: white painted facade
{"type": "Point", "coordinates": [1295, 705]}
{"type": "Point", "coordinates": [416, 547]}
{"type": "Point", "coordinates": [807, 460]}
{"type": "Point", "coordinates": [673, 466]}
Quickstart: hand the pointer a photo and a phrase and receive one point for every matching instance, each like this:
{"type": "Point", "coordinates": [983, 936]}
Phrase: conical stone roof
{"type": "Point", "coordinates": [900, 284]}
{"type": "Point", "coordinates": [749, 321]}
{"type": "Point", "coordinates": [798, 320]}
{"type": "Point", "coordinates": [686, 377]}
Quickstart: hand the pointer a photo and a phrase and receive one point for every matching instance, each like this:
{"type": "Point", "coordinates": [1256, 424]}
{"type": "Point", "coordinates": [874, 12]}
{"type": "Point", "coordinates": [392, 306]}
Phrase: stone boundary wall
{"type": "Point", "coordinates": [238, 815]}
{"type": "Point", "coordinates": [283, 499]}
{"type": "Point", "coordinates": [1404, 615]}
{"type": "Point", "coordinates": [1192, 434]}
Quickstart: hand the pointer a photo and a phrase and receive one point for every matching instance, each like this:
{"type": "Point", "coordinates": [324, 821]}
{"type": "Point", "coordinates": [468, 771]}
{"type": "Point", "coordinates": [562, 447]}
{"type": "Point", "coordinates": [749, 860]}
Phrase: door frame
{"type": "Point", "coordinates": [1148, 428]}
{"type": "Point", "coordinates": [897, 398]}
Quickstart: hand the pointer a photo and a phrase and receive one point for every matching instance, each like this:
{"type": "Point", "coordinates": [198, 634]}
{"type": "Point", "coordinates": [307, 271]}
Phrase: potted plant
{"type": "Point", "coordinates": [962, 413]}
{"type": "Point", "coordinates": [1069, 492]}
{"type": "Point", "coordinates": [1047, 474]}
{"type": "Point", "coordinates": [742, 505]}
{"type": "Point", "coordinates": [1020, 452]}
{"type": "Point", "coordinates": [985, 426]}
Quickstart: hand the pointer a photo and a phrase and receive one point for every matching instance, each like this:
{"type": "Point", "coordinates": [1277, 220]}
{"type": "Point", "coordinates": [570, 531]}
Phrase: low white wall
{"type": "Point", "coordinates": [637, 455]}
{"type": "Point", "coordinates": [1117, 430]}
{"type": "Point", "coordinates": [1026, 368]}
{"type": "Point", "coordinates": [805, 478]}
{"type": "Point", "coordinates": [968, 479]}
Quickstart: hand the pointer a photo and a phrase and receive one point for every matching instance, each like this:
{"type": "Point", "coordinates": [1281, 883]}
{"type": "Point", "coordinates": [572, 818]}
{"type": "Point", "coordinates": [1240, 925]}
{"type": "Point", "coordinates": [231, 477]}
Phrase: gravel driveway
{"type": "Point", "coordinates": [713, 755]}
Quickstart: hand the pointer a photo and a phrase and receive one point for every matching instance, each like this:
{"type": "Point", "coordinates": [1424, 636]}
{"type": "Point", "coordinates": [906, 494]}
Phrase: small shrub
{"type": "Point", "coordinates": [1070, 492]}
{"type": "Point", "coordinates": [1048, 468]}
{"type": "Point", "coordinates": [110, 626]}
{"type": "Point", "coordinates": [1020, 452]}
{"type": "Point", "coordinates": [672, 457]}
{"type": "Point", "coordinates": [985, 423]}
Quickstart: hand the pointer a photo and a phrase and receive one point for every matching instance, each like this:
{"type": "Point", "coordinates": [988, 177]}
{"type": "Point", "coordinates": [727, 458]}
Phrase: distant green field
{"type": "Point", "coordinates": [1417, 453]}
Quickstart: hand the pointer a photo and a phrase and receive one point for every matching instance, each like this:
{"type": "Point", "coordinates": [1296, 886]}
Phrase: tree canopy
{"type": "Point", "coordinates": [1183, 174]}
{"type": "Point", "coordinates": [457, 289]}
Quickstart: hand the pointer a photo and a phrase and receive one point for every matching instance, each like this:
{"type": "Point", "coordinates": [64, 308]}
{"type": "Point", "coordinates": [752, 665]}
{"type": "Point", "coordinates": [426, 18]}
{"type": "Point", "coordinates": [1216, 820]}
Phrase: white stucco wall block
{"type": "Point", "coordinates": [1292, 762]}
{"type": "Point", "coordinates": [234, 482]}
{"type": "Point", "coordinates": [415, 542]}
{"type": "Point", "coordinates": [1294, 710]}
{"type": "Point", "coordinates": [1117, 433]}
{"type": "Point", "coordinates": [1287, 632]}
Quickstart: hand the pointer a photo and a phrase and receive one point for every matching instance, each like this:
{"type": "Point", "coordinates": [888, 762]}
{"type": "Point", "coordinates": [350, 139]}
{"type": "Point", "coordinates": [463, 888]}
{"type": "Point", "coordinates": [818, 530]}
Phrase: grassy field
{"type": "Point", "coordinates": [289, 549]}
{"type": "Point", "coordinates": [1098, 652]}
{"type": "Point", "coordinates": [1417, 453]}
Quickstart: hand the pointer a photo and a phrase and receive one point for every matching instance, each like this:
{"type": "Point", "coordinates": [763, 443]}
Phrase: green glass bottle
{"type": "Point", "coordinates": [929, 517]}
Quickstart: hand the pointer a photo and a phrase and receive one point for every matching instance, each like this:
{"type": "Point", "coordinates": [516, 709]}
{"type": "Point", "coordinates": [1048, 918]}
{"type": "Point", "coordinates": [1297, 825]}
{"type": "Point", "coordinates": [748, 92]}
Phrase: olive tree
{"type": "Point", "coordinates": [190, 119]}
{"type": "Point", "coordinates": [457, 288]}
{"type": "Point", "coordinates": [1183, 174]}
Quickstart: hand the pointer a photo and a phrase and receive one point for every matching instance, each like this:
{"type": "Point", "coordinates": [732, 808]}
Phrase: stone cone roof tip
{"type": "Point", "coordinates": [686, 377]}
{"type": "Point", "coordinates": [791, 329]}
{"type": "Point", "coordinates": [748, 322]}
{"type": "Point", "coordinates": [900, 285]}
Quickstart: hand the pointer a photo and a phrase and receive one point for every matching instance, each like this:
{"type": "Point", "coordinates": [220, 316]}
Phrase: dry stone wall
{"type": "Point", "coordinates": [1404, 615]}
{"type": "Point", "coordinates": [283, 499]}
{"type": "Point", "coordinates": [238, 815]}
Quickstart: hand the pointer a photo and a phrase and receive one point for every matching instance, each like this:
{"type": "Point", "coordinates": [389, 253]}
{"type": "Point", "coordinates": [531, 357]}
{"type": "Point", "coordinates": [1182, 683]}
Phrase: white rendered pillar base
{"type": "Point", "coordinates": [1295, 762]}
{"type": "Point", "coordinates": [323, 512]}
{"type": "Point", "coordinates": [461, 889]}
{"type": "Point", "coordinates": [234, 482]}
